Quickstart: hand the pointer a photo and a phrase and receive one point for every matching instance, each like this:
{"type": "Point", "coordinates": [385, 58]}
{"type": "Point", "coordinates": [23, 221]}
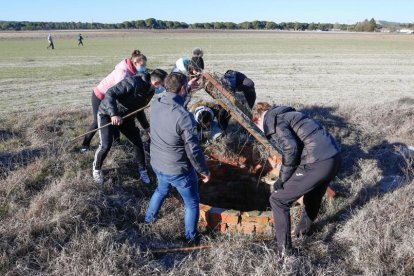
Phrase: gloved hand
{"type": "Point", "coordinates": [278, 185]}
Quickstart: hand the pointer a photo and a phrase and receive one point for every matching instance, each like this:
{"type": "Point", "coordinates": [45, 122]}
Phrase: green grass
{"type": "Point", "coordinates": [33, 77]}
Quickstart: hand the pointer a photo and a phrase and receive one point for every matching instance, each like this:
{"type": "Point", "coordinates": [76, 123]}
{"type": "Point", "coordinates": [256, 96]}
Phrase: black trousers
{"type": "Point", "coordinates": [88, 138]}
{"type": "Point", "coordinates": [129, 129]}
{"type": "Point", "coordinates": [249, 91]}
{"type": "Point", "coordinates": [310, 181]}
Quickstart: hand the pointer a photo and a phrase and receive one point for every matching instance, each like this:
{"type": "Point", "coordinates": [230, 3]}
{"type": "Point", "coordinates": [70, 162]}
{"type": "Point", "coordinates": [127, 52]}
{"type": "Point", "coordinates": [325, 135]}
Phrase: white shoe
{"type": "Point", "coordinates": [143, 175]}
{"type": "Point", "coordinates": [98, 177]}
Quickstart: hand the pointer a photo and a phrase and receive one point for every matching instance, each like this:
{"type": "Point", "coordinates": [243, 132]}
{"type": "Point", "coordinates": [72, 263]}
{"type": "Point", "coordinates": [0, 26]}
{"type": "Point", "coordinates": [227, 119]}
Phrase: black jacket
{"type": "Point", "coordinates": [298, 138]}
{"type": "Point", "coordinates": [126, 96]}
{"type": "Point", "coordinates": [240, 82]}
{"type": "Point", "coordinates": [196, 64]}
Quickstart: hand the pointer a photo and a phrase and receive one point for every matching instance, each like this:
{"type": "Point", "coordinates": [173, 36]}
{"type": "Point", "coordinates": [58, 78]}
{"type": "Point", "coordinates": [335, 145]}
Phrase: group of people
{"type": "Point", "coordinates": [50, 43]}
{"type": "Point", "coordinates": [311, 157]}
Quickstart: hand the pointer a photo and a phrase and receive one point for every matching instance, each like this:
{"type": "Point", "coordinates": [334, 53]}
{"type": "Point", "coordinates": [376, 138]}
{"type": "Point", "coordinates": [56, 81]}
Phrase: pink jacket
{"type": "Point", "coordinates": [122, 70]}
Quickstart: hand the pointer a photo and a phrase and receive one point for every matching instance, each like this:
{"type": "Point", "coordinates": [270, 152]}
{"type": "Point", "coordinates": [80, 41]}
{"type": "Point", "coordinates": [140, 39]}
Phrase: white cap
{"type": "Point", "coordinates": [182, 65]}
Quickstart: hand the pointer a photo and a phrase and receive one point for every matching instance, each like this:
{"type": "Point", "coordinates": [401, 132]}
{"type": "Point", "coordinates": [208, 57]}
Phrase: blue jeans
{"type": "Point", "coordinates": [187, 186]}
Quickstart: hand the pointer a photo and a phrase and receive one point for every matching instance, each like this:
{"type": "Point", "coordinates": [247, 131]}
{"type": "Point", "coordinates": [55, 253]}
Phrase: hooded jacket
{"type": "Point", "coordinates": [122, 70]}
{"type": "Point", "coordinates": [127, 96]}
{"type": "Point", "coordinates": [175, 148]}
{"type": "Point", "coordinates": [299, 139]}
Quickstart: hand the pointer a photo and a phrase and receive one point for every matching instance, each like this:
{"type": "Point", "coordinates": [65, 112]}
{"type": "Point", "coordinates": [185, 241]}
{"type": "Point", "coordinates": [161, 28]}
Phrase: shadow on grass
{"type": "Point", "coordinates": [358, 145]}
{"type": "Point", "coordinates": [16, 160]}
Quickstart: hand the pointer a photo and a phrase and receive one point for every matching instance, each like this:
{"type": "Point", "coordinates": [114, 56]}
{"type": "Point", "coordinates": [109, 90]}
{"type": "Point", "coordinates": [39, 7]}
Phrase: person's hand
{"type": "Point", "coordinates": [194, 84]}
{"type": "Point", "coordinates": [116, 120]}
{"type": "Point", "coordinates": [205, 178]}
{"type": "Point", "coordinates": [148, 131]}
{"type": "Point", "coordinates": [278, 185]}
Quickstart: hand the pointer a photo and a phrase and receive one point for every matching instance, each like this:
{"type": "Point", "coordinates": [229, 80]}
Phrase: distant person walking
{"type": "Point", "coordinates": [126, 68]}
{"type": "Point", "coordinates": [50, 41]}
{"type": "Point", "coordinates": [80, 40]}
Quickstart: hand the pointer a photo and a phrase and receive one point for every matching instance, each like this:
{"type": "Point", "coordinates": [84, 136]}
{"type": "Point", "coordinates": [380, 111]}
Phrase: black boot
{"type": "Point", "coordinates": [304, 225]}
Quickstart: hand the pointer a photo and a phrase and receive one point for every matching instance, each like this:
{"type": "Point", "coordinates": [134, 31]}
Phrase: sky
{"type": "Point", "coordinates": [117, 11]}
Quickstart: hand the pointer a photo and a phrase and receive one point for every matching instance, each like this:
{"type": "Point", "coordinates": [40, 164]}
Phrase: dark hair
{"type": "Point", "coordinates": [158, 75]}
{"type": "Point", "coordinates": [175, 81]}
{"type": "Point", "coordinates": [136, 56]}
{"type": "Point", "coordinates": [204, 118]}
{"type": "Point", "coordinates": [197, 52]}
{"type": "Point", "coordinates": [135, 53]}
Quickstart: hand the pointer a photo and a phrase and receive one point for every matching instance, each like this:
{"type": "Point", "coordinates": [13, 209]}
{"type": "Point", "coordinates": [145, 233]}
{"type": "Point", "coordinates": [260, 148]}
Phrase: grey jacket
{"type": "Point", "coordinates": [298, 138]}
{"type": "Point", "coordinates": [175, 148]}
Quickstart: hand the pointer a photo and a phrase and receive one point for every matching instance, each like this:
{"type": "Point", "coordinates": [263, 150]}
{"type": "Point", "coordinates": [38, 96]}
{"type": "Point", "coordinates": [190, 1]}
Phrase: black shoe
{"type": "Point", "coordinates": [304, 226]}
{"type": "Point", "coordinates": [193, 242]}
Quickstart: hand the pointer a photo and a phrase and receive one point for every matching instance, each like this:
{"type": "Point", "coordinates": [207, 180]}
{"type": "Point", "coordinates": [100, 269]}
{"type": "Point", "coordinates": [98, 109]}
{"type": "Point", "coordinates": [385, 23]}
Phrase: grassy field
{"type": "Point", "coordinates": [55, 221]}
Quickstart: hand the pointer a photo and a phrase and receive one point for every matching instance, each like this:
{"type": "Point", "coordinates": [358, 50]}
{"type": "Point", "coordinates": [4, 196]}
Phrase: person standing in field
{"type": "Point", "coordinates": [310, 160]}
{"type": "Point", "coordinates": [238, 82]}
{"type": "Point", "coordinates": [80, 40]}
{"type": "Point", "coordinates": [182, 65]}
{"type": "Point", "coordinates": [126, 68]}
{"type": "Point", "coordinates": [176, 154]}
{"type": "Point", "coordinates": [50, 42]}
{"type": "Point", "coordinates": [125, 97]}
{"type": "Point", "coordinates": [196, 66]}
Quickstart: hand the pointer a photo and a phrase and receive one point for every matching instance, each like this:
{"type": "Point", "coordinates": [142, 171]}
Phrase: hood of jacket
{"type": "Point", "coordinates": [126, 65]}
{"type": "Point", "coordinates": [171, 99]}
{"type": "Point", "coordinates": [270, 118]}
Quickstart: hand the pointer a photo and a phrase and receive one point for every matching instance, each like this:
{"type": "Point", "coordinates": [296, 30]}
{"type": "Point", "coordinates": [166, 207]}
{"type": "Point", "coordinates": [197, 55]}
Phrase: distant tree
{"type": "Point", "coordinates": [372, 25]}
{"type": "Point", "coordinates": [271, 25]}
{"type": "Point", "coordinates": [160, 24]}
{"type": "Point", "coordinates": [140, 24]}
{"type": "Point", "coordinates": [246, 25]}
{"type": "Point", "coordinates": [218, 25]}
{"type": "Point", "coordinates": [258, 25]}
{"type": "Point", "coordinates": [230, 25]}
{"type": "Point", "coordinates": [208, 26]}
{"type": "Point", "coordinates": [150, 22]}
{"type": "Point", "coordinates": [169, 24]}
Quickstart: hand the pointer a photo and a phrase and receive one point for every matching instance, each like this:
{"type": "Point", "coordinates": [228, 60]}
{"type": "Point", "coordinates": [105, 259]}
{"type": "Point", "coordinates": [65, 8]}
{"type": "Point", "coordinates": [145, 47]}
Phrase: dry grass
{"type": "Point", "coordinates": [55, 221]}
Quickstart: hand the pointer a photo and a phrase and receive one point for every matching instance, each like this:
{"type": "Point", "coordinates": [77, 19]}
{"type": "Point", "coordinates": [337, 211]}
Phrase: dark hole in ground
{"type": "Point", "coordinates": [232, 187]}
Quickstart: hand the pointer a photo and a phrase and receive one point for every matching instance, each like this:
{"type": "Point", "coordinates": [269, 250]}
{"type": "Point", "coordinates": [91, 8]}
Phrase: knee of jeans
{"type": "Point", "coordinates": [192, 203]}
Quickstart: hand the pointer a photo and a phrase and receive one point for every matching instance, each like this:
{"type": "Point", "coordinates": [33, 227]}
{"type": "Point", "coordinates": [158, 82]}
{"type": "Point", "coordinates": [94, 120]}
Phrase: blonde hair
{"type": "Point", "coordinates": [259, 109]}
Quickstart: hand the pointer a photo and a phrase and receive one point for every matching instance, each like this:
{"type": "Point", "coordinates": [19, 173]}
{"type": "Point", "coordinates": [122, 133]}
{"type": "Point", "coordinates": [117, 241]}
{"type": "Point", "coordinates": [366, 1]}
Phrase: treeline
{"type": "Point", "coordinates": [152, 23]}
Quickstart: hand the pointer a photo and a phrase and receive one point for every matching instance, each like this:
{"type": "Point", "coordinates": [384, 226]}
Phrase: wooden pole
{"type": "Point", "coordinates": [108, 124]}
{"type": "Point", "coordinates": [238, 112]}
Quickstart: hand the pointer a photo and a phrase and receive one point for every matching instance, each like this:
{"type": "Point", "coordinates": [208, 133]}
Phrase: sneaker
{"type": "Point", "coordinates": [143, 175]}
{"type": "Point", "coordinates": [98, 177]}
{"type": "Point", "coordinates": [84, 149]}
